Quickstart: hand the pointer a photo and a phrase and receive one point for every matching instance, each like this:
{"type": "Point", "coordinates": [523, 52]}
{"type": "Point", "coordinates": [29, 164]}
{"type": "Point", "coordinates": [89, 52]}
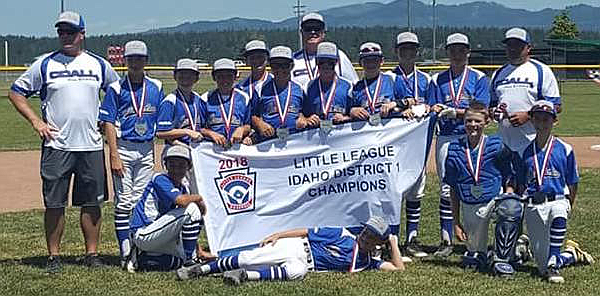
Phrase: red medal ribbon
{"type": "Point", "coordinates": [227, 119]}
{"type": "Point", "coordinates": [539, 175]}
{"type": "Point", "coordinates": [325, 106]}
{"type": "Point", "coordinates": [475, 172]}
{"type": "Point", "coordinates": [457, 95]}
{"type": "Point", "coordinates": [188, 113]}
{"type": "Point", "coordinates": [407, 82]}
{"type": "Point", "coordinates": [139, 110]}
{"type": "Point", "coordinates": [283, 115]}
{"type": "Point", "coordinates": [373, 100]}
{"type": "Point", "coordinates": [308, 64]}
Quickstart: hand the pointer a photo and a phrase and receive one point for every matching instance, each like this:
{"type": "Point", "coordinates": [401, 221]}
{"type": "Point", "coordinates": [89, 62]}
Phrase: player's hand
{"type": "Point", "coordinates": [238, 135]}
{"type": "Point", "coordinates": [387, 108]}
{"type": "Point", "coordinates": [116, 165]}
{"type": "Point", "coordinates": [271, 239]}
{"type": "Point", "coordinates": [248, 141]}
{"type": "Point", "coordinates": [194, 135]}
{"type": "Point", "coordinates": [44, 130]}
{"type": "Point", "coordinates": [359, 113]}
{"type": "Point", "coordinates": [449, 112]}
{"type": "Point", "coordinates": [218, 138]}
{"type": "Point", "coordinates": [519, 118]}
{"type": "Point", "coordinates": [437, 108]}
{"type": "Point", "coordinates": [265, 129]}
{"type": "Point", "coordinates": [460, 232]}
{"type": "Point", "coordinates": [313, 121]}
{"type": "Point", "coordinates": [301, 123]}
{"type": "Point", "coordinates": [338, 118]}
{"type": "Point", "coordinates": [408, 113]}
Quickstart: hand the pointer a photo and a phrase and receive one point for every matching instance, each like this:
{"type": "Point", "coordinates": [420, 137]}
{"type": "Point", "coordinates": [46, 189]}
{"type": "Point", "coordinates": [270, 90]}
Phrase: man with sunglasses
{"type": "Point", "coordinates": [129, 114]}
{"type": "Point", "coordinates": [305, 66]}
{"type": "Point", "coordinates": [328, 97]}
{"type": "Point", "coordinates": [69, 81]}
{"type": "Point", "coordinates": [277, 110]}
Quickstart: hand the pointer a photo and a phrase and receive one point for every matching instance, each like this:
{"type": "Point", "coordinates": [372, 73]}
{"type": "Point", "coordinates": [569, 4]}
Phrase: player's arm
{"type": "Point", "coordinates": [458, 227]}
{"type": "Point", "coordinates": [20, 102]}
{"type": "Point", "coordinates": [110, 132]}
{"type": "Point", "coordinates": [272, 239]}
{"type": "Point", "coordinates": [572, 194]}
{"type": "Point", "coordinates": [395, 263]}
{"type": "Point", "coordinates": [240, 133]}
{"type": "Point", "coordinates": [183, 200]}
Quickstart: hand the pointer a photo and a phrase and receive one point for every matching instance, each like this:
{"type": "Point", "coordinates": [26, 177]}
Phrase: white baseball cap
{"type": "Point", "coordinates": [517, 33]}
{"type": "Point", "coordinates": [224, 64]}
{"type": "Point", "coordinates": [327, 50]}
{"type": "Point", "coordinates": [257, 45]}
{"type": "Point", "coordinates": [135, 48]}
{"type": "Point", "coordinates": [281, 52]}
{"type": "Point", "coordinates": [543, 106]}
{"type": "Point", "coordinates": [457, 38]}
{"type": "Point", "coordinates": [187, 64]}
{"type": "Point", "coordinates": [71, 18]}
{"type": "Point", "coordinates": [370, 49]}
{"type": "Point", "coordinates": [407, 37]}
{"type": "Point", "coordinates": [178, 151]}
{"type": "Point", "coordinates": [313, 16]}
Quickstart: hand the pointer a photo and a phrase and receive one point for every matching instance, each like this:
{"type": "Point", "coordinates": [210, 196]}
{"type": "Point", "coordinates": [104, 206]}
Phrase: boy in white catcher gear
{"type": "Point", "coordinates": [451, 93]}
{"type": "Point", "coordinates": [289, 255]}
{"type": "Point", "coordinates": [166, 219]}
{"type": "Point", "coordinates": [129, 113]}
{"type": "Point", "coordinates": [516, 86]}
{"type": "Point", "coordinates": [548, 173]}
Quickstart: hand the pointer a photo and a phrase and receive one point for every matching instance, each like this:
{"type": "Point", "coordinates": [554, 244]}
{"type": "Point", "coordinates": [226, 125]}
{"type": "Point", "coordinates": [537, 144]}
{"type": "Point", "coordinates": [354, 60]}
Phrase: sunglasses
{"type": "Point", "coordinates": [280, 66]}
{"type": "Point", "coordinates": [326, 64]}
{"type": "Point", "coordinates": [66, 31]}
{"type": "Point", "coordinates": [312, 29]}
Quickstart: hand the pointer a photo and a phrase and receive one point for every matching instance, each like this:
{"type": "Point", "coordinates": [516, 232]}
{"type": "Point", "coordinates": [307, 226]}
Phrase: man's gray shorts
{"type": "Point", "coordinates": [56, 169]}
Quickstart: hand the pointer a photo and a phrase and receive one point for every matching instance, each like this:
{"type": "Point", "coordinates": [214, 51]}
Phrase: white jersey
{"type": "Point", "coordinates": [305, 68]}
{"type": "Point", "coordinates": [70, 97]}
{"type": "Point", "coordinates": [518, 87]}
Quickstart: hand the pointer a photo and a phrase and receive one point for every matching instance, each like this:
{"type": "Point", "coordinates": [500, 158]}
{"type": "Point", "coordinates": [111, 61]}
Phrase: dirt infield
{"type": "Point", "coordinates": [20, 188]}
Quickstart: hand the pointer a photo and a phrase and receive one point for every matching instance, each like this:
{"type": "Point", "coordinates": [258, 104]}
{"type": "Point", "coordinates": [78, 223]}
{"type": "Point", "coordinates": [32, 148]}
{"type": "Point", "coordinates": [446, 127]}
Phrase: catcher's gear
{"type": "Point", "coordinates": [509, 212]}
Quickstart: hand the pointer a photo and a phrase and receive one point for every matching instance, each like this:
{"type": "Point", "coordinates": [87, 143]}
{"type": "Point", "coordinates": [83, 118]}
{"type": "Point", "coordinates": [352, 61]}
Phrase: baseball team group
{"type": "Point", "coordinates": [521, 176]}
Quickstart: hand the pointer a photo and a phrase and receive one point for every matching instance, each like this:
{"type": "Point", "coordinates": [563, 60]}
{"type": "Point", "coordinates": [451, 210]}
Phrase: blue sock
{"type": "Point", "coordinates": [189, 235]}
{"type": "Point", "coordinates": [122, 232]}
{"type": "Point", "coordinates": [558, 229]}
{"type": "Point", "coordinates": [413, 214]}
{"type": "Point", "coordinates": [446, 219]}
{"type": "Point", "coordinates": [273, 273]}
{"type": "Point", "coordinates": [224, 264]}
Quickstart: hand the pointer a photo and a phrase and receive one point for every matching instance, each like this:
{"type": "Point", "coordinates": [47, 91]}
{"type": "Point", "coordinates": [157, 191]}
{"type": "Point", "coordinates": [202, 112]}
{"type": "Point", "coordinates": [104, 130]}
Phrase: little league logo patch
{"type": "Point", "coordinates": [237, 189]}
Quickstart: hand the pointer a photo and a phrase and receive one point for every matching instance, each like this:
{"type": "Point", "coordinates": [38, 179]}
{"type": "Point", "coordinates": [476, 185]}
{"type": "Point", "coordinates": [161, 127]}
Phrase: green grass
{"type": "Point", "coordinates": [579, 118]}
{"type": "Point", "coordinates": [23, 250]}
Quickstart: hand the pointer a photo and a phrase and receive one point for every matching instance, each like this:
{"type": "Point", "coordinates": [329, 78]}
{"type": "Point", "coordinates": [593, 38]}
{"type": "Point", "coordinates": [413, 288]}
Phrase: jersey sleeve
{"type": "Point", "coordinates": [550, 90]}
{"type": "Point", "coordinates": [571, 175]}
{"type": "Point", "coordinates": [166, 112]}
{"type": "Point", "coordinates": [450, 177]}
{"type": "Point", "coordinates": [108, 109]}
{"type": "Point", "coordinates": [29, 82]}
{"type": "Point", "coordinates": [482, 90]}
{"type": "Point", "coordinates": [165, 191]}
{"type": "Point", "coordinates": [324, 234]}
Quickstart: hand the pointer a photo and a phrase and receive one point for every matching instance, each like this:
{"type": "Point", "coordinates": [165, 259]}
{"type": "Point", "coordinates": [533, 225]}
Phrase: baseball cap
{"type": "Point", "coordinates": [378, 226]}
{"type": "Point", "coordinates": [187, 64]}
{"type": "Point", "coordinates": [281, 52]}
{"type": "Point", "coordinates": [327, 50]}
{"type": "Point", "coordinates": [224, 64]}
{"type": "Point", "coordinates": [255, 45]}
{"type": "Point", "coordinates": [543, 106]}
{"type": "Point", "coordinates": [313, 16]}
{"type": "Point", "coordinates": [71, 18]}
{"type": "Point", "coordinates": [369, 49]}
{"type": "Point", "coordinates": [517, 33]}
{"type": "Point", "coordinates": [178, 151]}
{"type": "Point", "coordinates": [407, 37]}
{"type": "Point", "coordinates": [457, 38]}
{"type": "Point", "coordinates": [135, 48]}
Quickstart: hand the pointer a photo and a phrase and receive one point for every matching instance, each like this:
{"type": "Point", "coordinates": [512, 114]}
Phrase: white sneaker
{"type": "Point", "coordinates": [131, 265]}
{"type": "Point", "coordinates": [554, 276]}
{"type": "Point", "coordinates": [580, 255]}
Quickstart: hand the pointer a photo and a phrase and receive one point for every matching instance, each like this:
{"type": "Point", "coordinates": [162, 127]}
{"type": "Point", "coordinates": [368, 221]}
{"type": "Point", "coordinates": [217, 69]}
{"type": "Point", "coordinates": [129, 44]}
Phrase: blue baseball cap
{"type": "Point", "coordinates": [378, 226]}
{"type": "Point", "coordinates": [71, 18]}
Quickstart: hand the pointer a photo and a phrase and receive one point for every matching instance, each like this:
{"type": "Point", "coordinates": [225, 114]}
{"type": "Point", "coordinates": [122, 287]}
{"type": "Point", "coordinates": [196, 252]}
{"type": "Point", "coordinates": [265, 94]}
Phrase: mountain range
{"type": "Point", "coordinates": [370, 14]}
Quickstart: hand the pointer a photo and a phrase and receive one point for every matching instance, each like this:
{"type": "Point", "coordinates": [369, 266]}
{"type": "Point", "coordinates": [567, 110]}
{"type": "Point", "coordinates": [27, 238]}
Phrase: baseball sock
{"type": "Point", "coordinates": [268, 274]}
{"type": "Point", "coordinates": [122, 232]}
{"type": "Point", "coordinates": [189, 235]}
{"type": "Point", "coordinates": [558, 229]}
{"type": "Point", "coordinates": [413, 214]}
{"type": "Point", "coordinates": [446, 219]}
{"type": "Point", "coordinates": [221, 265]}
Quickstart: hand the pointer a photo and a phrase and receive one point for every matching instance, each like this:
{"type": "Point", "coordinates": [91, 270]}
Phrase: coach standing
{"type": "Point", "coordinates": [68, 81]}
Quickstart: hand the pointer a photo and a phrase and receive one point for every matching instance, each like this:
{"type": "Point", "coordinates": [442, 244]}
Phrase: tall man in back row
{"type": "Point", "coordinates": [69, 81]}
{"type": "Point", "coordinates": [305, 62]}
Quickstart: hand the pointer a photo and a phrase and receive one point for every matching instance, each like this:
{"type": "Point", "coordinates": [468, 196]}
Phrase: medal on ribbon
{"type": "Point", "coordinates": [374, 118]}
{"type": "Point", "coordinates": [476, 189]}
{"type": "Point", "coordinates": [326, 125]}
{"type": "Point", "coordinates": [311, 71]}
{"type": "Point", "coordinates": [539, 174]}
{"type": "Point", "coordinates": [283, 132]}
{"type": "Point", "coordinates": [227, 117]}
{"type": "Point", "coordinates": [140, 126]}
{"type": "Point", "coordinates": [415, 89]}
{"type": "Point", "coordinates": [456, 95]}
{"type": "Point", "coordinates": [191, 118]}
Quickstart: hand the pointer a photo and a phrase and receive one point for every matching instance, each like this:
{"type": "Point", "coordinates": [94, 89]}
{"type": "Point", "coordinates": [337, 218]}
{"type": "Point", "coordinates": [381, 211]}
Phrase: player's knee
{"type": "Point", "coordinates": [509, 210]}
{"type": "Point", "coordinates": [296, 271]}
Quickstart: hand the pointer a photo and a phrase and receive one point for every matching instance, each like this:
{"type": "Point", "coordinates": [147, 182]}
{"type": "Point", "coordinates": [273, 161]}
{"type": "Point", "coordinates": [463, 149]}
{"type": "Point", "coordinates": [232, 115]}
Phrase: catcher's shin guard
{"type": "Point", "coordinates": [508, 212]}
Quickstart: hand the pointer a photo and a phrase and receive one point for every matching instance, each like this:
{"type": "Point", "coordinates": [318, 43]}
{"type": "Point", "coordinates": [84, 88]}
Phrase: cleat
{"type": "Point", "coordinates": [92, 261]}
{"type": "Point", "coordinates": [132, 262]}
{"type": "Point", "coordinates": [553, 276]}
{"type": "Point", "coordinates": [503, 269]}
{"type": "Point", "coordinates": [580, 255]}
{"type": "Point", "coordinates": [414, 249]}
{"type": "Point", "coordinates": [53, 265]}
{"type": "Point", "coordinates": [235, 277]}
{"type": "Point", "coordinates": [189, 271]}
{"type": "Point", "coordinates": [406, 259]}
{"type": "Point", "coordinates": [444, 250]}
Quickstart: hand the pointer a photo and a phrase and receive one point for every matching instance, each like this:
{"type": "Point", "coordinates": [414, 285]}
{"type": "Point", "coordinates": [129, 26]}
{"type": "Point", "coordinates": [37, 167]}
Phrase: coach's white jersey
{"type": "Point", "coordinates": [518, 87]}
{"type": "Point", "coordinates": [305, 68]}
{"type": "Point", "coordinates": [69, 91]}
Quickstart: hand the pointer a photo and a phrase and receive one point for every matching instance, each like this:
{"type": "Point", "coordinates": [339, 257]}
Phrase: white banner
{"type": "Point", "coordinates": [312, 179]}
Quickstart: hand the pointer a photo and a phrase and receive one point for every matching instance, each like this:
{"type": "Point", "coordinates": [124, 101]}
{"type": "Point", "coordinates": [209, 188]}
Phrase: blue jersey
{"type": "Point", "coordinates": [268, 110]}
{"type": "Point", "coordinates": [158, 199]}
{"type": "Point", "coordinates": [236, 113]}
{"type": "Point", "coordinates": [254, 88]}
{"type": "Point", "coordinates": [560, 171]}
{"type": "Point", "coordinates": [385, 93]}
{"type": "Point", "coordinates": [119, 109]}
{"type": "Point", "coordinates": [341, 102]}
{"type": "Point", "coordinates": [175, 112]}
{"type": "Point", "coordinates": [335, 248]}
{"type": "Point", "coordinates": [475, 88]}
{"type": "Point", "coordinates": [405, 86]}
{"type": "Point", "coordinates": [495, 168]}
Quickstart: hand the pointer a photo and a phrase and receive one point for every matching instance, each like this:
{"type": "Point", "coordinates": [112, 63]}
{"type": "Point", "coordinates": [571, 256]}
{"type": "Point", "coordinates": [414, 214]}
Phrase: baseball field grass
{"type": "Point", "coordinates": [23, 255]}
{"type": "Point", "coordinates": [579, 118]}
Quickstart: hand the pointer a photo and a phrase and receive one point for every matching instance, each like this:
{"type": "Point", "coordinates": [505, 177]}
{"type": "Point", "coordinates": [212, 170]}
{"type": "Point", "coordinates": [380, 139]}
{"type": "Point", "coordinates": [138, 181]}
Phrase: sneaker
{"type": "Point", "coordinates": [444, 250]}
{"type": "Point", "coordinates": [189, 271]}
{"type": "Point", "coordinates": [53, 265]}
{"type": "Point", "coordinates": [553, 276]}
{"type": "Point", "coordinates": [92, 260]}
{"type": "Point", "coordinates": [580, 255]}
{"type": "Point", "coordinates": [235, 277]}
{"type": "Point", "coordinates": [132, 261]}
{"type": "Point", "coordinates": [406, 259]}
{"type": "Point", "coordinates": [414, 249]}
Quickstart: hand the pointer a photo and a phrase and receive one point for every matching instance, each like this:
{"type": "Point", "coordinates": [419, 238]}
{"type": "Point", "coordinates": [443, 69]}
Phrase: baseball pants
{"type": "Point", "coordinates": [441, 153]}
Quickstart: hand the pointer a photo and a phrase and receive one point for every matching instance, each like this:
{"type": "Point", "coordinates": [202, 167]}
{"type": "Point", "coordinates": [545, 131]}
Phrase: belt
{"type": "Point", "coordinates": [540, 198]}
{"type": "Point", "coordinates": [309, 257]}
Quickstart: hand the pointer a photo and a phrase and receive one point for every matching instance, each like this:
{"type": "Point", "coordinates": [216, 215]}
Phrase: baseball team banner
{"type": "Point", "coordinates": [311, 179]}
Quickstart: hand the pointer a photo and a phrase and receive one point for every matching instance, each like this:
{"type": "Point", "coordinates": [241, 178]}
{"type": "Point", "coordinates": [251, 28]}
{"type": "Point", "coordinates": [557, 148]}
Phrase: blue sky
{"type": "Point", "coordinates": [36, 17]}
